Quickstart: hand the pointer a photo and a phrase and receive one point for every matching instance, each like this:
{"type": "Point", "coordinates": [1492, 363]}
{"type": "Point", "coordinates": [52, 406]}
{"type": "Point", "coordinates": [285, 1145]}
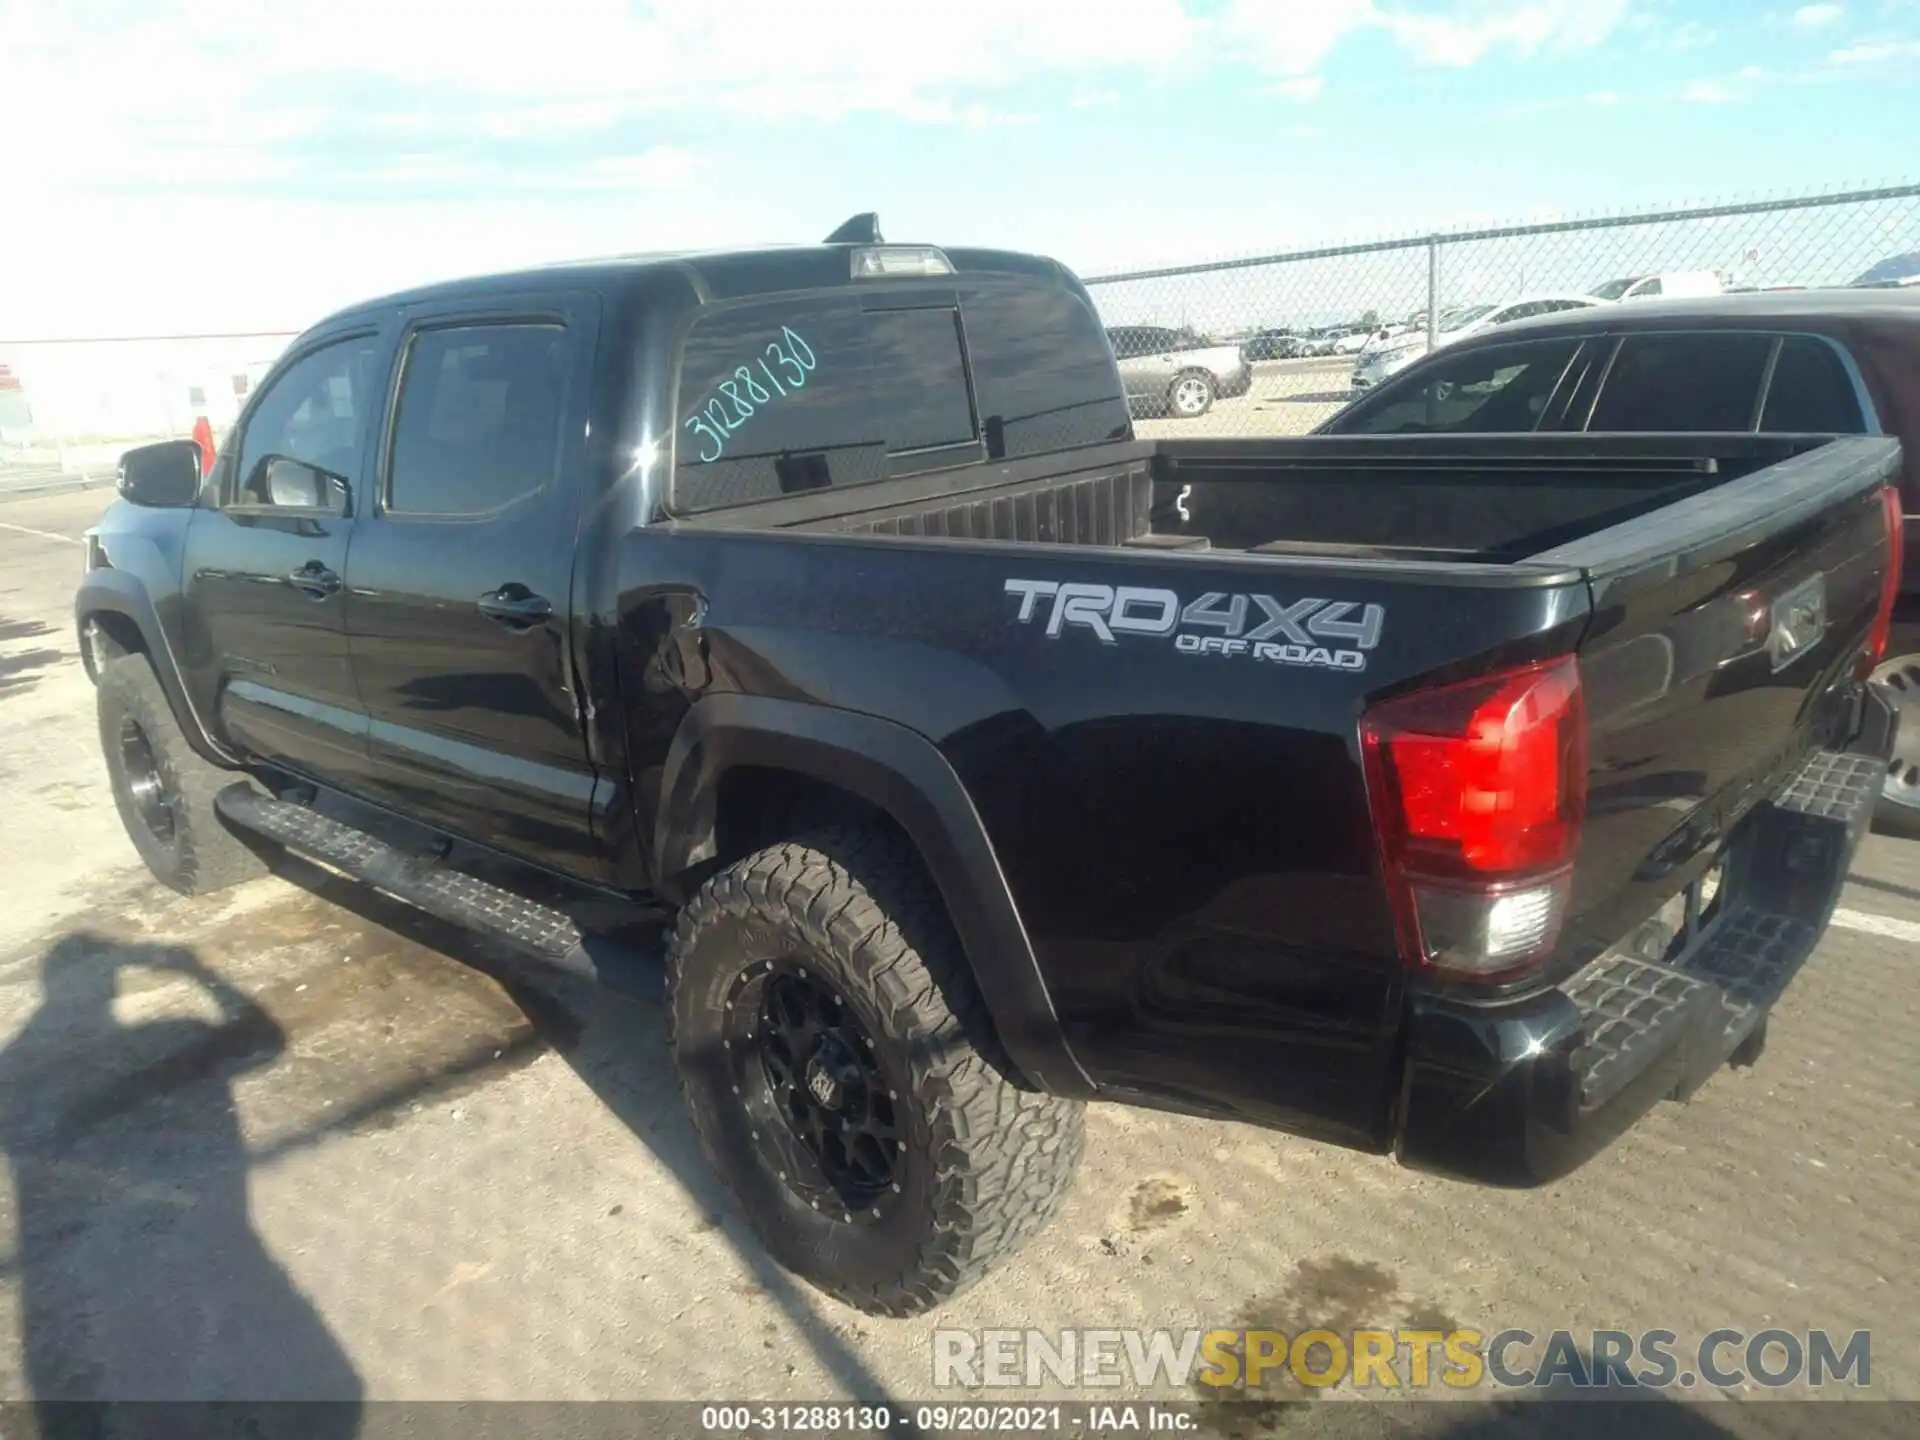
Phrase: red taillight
{"type": "Point", "coordinates": [1882, 630]}
{"type": "Point", "coordinates": [1478, 792]}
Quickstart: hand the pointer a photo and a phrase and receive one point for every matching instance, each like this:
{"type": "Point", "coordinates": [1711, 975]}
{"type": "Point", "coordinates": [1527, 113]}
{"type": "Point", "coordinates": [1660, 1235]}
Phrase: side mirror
{"type": "Point", "coordinates": [165, 476]}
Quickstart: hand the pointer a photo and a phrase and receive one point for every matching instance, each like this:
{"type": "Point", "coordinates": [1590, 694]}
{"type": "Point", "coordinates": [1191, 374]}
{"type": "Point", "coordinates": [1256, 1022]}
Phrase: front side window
{"type": "Point", "coordinates": [302, 444]}
{"type": "Point", "coordinates": [1498, 389]}
{"type": "Point", "coordinates": [1700, 381]}
{"type": "Point", "coordinates": [478, 426]}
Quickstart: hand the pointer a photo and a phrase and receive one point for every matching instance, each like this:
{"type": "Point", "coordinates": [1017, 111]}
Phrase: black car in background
{"type": "Point", "coordinates": [1273, 345]}
{"type": "Point", "coordinates": [1843, 361]}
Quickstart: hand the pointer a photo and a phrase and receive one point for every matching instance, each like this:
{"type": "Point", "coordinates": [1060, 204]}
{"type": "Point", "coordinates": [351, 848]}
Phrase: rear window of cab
{"type": "Point", "coordinates": [783, 396]}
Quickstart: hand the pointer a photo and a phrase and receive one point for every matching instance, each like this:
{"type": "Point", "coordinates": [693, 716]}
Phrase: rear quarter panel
{"type": "Point", "coordinates": [1186, 836]}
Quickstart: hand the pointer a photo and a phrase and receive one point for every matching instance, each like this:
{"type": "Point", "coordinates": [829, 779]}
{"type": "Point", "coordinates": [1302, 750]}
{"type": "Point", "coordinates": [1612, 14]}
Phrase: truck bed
{"type": "Point", "coordinates": [1478, 499]}
{"type": "Point", "coordinates": [1145, 789]}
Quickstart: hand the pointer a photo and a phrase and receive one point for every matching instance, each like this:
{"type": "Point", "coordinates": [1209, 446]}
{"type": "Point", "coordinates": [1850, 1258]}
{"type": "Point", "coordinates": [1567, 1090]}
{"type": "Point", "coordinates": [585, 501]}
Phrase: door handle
{"type": "Point", "coordinates": [516, 607]}
{"type": "Point", "coordinates": [315, 579]}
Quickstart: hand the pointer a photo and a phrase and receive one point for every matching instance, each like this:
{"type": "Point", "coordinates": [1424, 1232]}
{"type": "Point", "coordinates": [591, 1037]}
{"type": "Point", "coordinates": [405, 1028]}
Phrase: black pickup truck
{"type": "Point", "coordinates": [1458, 797]}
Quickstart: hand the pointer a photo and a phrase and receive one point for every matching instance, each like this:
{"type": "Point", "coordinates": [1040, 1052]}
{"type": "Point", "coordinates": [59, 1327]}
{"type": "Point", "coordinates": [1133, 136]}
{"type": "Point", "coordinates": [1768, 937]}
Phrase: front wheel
{"type": "Point", "coordinates": [163, 789]}
{"type": "Point", "coordinates": [837, 1061]}
{"type": "Point", "coordinates": [1191, 395]}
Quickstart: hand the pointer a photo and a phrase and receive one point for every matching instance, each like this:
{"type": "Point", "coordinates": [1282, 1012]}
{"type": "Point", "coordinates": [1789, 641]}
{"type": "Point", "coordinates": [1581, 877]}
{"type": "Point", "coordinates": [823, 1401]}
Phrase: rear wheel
{"type": "Point", "coordinates": [835, 1056]}
{"type": "Point", "coordinates": [1191, 395]}
{"type": "Point", "coordinates": [163, 789]}
{"type": "Point", "coordinates": [1898, 810]}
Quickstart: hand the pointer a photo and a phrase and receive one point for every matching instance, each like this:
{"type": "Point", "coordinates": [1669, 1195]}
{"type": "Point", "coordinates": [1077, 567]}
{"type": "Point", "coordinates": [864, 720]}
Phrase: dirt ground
{"type": "Point", "coordinates": [296, 1140]}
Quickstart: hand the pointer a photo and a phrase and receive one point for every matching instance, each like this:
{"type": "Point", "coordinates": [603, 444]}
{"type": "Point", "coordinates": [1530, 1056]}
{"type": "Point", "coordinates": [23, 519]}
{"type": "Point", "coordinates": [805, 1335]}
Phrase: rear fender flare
{"type": "Point", "coordinates": [902, 774]}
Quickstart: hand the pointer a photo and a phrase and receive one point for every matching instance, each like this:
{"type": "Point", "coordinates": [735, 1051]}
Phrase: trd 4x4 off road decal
{"type": "Point", "coordinates": [1334, 634]}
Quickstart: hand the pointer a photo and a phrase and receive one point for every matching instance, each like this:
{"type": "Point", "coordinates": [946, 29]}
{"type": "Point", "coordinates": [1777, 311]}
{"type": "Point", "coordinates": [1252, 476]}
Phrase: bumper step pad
{"type": "Point", "coordinates": [1785, 873]}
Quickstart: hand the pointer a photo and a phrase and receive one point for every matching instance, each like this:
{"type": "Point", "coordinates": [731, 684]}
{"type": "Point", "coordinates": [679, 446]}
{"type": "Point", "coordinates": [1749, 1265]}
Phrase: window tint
{"type": "Point", "coordinates": [1499, 389]}
{"type": "Point", "coordinates": [479, 419]}
{"type": "Point", "coordinates": [919, 378]}
{"type": "Point", "coordinates": [313, 414]}
{"type": "Point", "coordinates": [1043, 378]}
{"type": "Point", "coordinates": [775, 400]}
{"type": "Point", "coordinates": [1683, 382]}
{"type": "Point", "coordinates": [1811, 392]}
{"type": "Point", "coordinates": [1648, 287]}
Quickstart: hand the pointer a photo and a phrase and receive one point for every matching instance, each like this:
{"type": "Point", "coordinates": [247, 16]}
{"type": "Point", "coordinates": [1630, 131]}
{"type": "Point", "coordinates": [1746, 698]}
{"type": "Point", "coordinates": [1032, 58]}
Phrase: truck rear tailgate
{"type": "Point", "coordinates": [1733, 758]}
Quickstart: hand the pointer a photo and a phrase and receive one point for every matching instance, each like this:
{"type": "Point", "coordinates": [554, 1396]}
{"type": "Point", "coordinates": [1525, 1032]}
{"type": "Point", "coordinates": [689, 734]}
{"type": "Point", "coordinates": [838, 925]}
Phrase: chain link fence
{"type": "Point", "coordinates": [1274, 344]}
{"type": "Point", "coordinates": [1267, 345]}
{"type": "Point", "coordinates": [69, 407]}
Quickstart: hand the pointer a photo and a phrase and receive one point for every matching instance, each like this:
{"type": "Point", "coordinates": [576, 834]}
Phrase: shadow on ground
{"type": "Point", "coordinates": [139, 1271]}
{"type": "Point", "coordinates": [21, 670]}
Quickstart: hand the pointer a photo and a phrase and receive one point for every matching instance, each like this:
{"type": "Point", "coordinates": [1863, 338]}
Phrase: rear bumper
{"type": "Point", "coordinates": [1518, 1094]}
{"type": "Point", "coordinates": [1234, 383]}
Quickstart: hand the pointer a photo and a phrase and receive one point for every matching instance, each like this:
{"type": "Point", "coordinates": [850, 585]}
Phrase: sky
{"type": "Point", "coordinates": [232, 164]}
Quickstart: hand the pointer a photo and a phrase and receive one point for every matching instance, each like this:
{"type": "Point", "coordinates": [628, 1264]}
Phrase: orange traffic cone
{"type": "Point", "coordinates": [203, 437]}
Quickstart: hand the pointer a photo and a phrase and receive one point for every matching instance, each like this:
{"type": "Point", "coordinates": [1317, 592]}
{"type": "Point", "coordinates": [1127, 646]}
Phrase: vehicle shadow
{"type": "Point", "coordinates": [616, 1042]}
{"type": "Point", "coordinates": [21, 671]}
{"type": "Point", "coordinates": [140, 1274]}
{"type": "Point", "coordinates": [1314, 397]}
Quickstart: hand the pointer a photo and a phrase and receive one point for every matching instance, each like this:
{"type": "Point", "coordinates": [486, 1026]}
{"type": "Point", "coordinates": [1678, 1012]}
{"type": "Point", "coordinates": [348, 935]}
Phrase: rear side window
{"type": "Point", "coordinates": [1041, 370]}
{"type": "Point", "coordinates": [1495, 390]}
{"type": "Point", "coordinates": [1811, 392]}
{"type": "Point", "coordinates": [1702, 381]}
{"type": "Point", "coordinates": [479, 419]}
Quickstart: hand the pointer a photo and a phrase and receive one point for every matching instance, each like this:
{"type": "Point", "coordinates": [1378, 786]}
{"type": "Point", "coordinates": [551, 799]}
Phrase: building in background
{"type": "Point", "coordinates": [68, 397]}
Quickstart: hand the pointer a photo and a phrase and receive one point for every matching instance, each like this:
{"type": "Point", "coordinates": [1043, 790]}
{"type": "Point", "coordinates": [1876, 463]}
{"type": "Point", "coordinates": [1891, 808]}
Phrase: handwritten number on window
{"type": "Point", "coordinates": [785, 365]}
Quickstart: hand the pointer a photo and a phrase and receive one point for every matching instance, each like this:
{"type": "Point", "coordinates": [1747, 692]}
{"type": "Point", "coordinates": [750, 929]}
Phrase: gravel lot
{"type": "Point", "coordinates": [296, 1140]}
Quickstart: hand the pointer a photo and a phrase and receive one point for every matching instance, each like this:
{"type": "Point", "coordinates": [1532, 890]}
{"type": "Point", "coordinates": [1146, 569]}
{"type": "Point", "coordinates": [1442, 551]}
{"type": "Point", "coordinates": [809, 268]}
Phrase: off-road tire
{"type": "Point", "coordinates": [199, 854]}
{"type": "Point", "coordinates": [986, 1162]}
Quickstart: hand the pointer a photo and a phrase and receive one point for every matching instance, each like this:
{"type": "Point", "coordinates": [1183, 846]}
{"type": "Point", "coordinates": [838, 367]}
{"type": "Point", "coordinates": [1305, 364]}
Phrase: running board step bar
{"type": "Point", "coordinates": [537, 930]}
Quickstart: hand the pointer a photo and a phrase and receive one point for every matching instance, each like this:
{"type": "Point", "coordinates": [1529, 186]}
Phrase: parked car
{"type": "Point", "coordinates": [1273, 345]}
{"type": "Point", "coordinates": [1176, 372]}
{"type": "Point", "coordinates": [1835, 361]}
{"type": "Point", "coordinates": [1352, 342]}
{"type": "Point", "coordinates": [987, 759]}
{"type": "Point", "coordinates": [1397, 354]}
{"type": "Point", "coordinates": [1891, 273]}
{"type": "Point", "coordinates": [1327, 342]}
{"type": "Point", "coordinates": [1674, 284]}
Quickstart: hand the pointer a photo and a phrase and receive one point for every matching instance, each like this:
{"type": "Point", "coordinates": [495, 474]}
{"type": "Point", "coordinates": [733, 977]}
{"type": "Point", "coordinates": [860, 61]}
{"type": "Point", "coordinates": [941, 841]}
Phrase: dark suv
{"type": "Point", "coordinates": [1812, 361]}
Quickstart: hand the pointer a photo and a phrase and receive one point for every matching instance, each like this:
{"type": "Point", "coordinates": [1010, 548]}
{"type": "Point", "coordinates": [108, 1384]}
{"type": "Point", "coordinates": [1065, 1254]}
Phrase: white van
{"type": "Point", "coordinates": [1674, 282]}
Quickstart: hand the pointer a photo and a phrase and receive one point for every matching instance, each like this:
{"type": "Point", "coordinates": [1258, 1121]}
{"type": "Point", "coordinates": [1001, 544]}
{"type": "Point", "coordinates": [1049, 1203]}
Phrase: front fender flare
{"type": "Point", "coordinates": [902, 774]}
{"type": "Point", "coordinates": [119, 592]}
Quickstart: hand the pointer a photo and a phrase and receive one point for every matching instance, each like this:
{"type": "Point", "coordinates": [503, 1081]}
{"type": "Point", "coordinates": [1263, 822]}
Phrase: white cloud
{"type": "Point", "coordinates": [1706, 92]}
{"type": "Point", "coordinates": [1095, 99]}
{"type": "Point", "coordinates": [1691, 35]}
{"type": "Point", "coordinates": [1291, 37]}
{"type": "Point", "coordinates": [1816, 17]}
{"type": "Point", "coordinates": [1468, 32]}
{"type": "Point", "coordinates": [1301, 87]}
{"type": "Point", "coordinates": [1875, 53]}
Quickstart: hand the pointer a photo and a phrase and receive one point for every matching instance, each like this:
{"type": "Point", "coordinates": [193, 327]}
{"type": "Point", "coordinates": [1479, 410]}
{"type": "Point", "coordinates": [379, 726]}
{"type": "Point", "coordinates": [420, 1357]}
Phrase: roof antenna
{"type": "Point", "coordinates": [862, 229]}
